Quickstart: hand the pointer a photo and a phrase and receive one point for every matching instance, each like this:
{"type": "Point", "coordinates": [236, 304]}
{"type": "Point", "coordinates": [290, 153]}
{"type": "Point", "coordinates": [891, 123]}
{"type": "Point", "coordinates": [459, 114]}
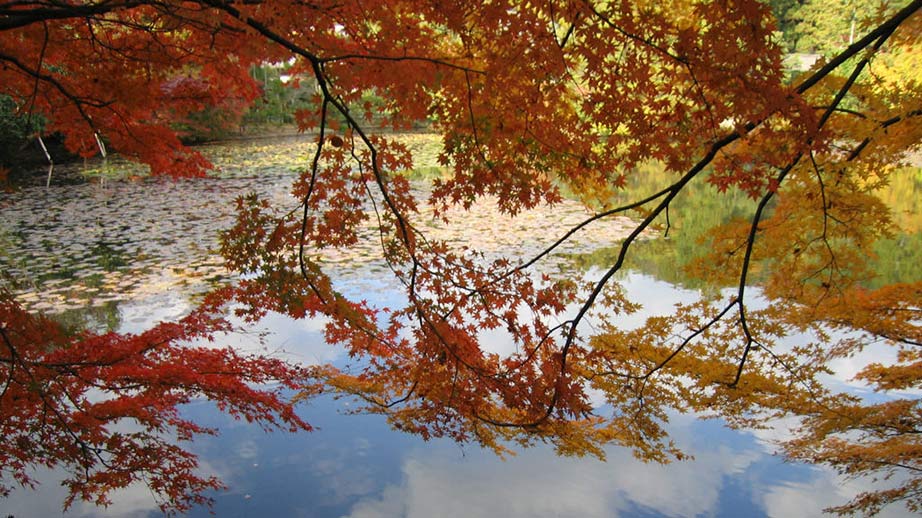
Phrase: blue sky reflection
{"type": "Point", "coordinates": [355, 466]}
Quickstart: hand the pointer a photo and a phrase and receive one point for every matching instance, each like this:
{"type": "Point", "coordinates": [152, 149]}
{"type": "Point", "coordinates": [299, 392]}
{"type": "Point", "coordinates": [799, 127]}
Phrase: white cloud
{"type": "Point", "coordinates": [134, 501]}
{"type": "Point", "coordinates": [537, 483]}
{"type": "Point", "coordinates": [826, 489]}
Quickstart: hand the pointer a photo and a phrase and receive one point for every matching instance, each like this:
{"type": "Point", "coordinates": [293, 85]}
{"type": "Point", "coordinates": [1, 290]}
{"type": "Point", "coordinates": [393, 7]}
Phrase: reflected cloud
{"type": "Point", "coordinates": [295, 340]}
{"type": "Point", "coordinates": [135, 501]}
{"type": "Point", "coordinates": [279, 336]}
{"type": "Point", "coordinates": [537, 483]}
{"type": "Point", "coordinates": [825, 489]}
{"type": "Point", "coordinates": [142, 313]}
{"type": "Point", "coordinates": [655, 296]}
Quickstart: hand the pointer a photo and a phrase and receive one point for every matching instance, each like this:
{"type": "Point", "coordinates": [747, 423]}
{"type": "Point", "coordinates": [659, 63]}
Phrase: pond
{"type": "Point", "coordinates": [124, 254]}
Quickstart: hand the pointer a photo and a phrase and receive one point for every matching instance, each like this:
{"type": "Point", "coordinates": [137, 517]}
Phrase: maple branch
{"type": "Point", "coordinates": [79, 102]}
{"type": "Point", "coordinates": [264, 30]}
{"type": "Point", "coordinates": [645, 41]}
{"type": "Point", "coordinates": [41, 60]}
{"type": "Point", "coordinates": [596, 217]}
{"type": "Point", "coordinates": [570, 30]}
{"type": "Point", "coordinates": [534, 350]}
{"type": "Point", "coordinates": [323, 82]}
{"type": "Point", "coordinates": [882, 37]}
{"type": "Point", "coordinates": [899, 339]}
{"type": "Point", "coordinates": [856, 152]}
{"type": "Point", "coordinates": [373, 57]}
{"type": "Point", "coordinates": [669, 194]}
{"type": "Point", "coordinates": [824, 234]}
{"type": "Point", "coordinates": [568, 234]}
{"type": "Point", "coordinates": [306, 201]}
{"type": "Point", "coordinates": [563, 42]}
{"type": "Point", "coordinates": [404, 227]}
{"type": "Point", "coordinates": [548, 250]}
{"type": "Point", "coordinates": [12, 364]}
{"type": "Point", "coordinates": [474, 132]}
{"type": "Point", "coordinates": [17, 18]}
{"type": "Point", "coordinates": [840, 109]}
{"type": "Point", "coordinates": [883, 29]}
{"type": "Point", "coordinates": [822, 188]}
{"type": "Point", "coordinates": [386, 404]}
{"type": "Point", "coordinates": [49, 404]}
{"type": "Point", "coordinates": [148, 56]}
{"type": "Point", "coordinates": [890, 463]}
{"type": "Point", "coordinates": [675, 352]}
{"type": "Point", "coordinates": [317, 65]}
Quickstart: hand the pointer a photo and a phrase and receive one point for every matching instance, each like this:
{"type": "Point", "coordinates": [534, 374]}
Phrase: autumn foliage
{"type": "Point", "coordinates": [106, 407]}
{"type": "Point", "coordinates": [532, 100]}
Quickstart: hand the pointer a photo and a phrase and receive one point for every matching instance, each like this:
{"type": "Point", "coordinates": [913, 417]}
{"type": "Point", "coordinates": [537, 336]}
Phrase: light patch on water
{"type": "Point", "coordinates": [536, 483]}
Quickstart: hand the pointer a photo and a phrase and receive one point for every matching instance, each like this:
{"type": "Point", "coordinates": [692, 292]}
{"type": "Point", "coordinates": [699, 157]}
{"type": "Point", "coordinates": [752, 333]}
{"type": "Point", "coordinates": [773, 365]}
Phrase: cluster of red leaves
{"type": "Point", "coordinates": [125, 73]}
{"type": "Point", "coordinates": [107, 408]}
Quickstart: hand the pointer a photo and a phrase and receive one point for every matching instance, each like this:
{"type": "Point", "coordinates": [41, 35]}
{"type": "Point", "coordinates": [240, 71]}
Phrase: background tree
{"type": "Point", "coordinates": [15, 130]}
{"type": "Point", "coordinates": [529, 99]}
{"type": "Point", "coordinates": [787, 16]}
{"type": "Point", "coordinates": [827, 27]}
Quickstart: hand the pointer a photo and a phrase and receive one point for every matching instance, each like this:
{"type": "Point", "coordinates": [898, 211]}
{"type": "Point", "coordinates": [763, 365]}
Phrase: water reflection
{"type": "Point", "coordinates": [355, 465]}
{"type": "Point", "coordinates": [539, 485]}
{"type": "Point", "coordinates": [700, 208]}
{"type": "Point", "coordinates": [363, 470]}
{"type": "Point", "coordinates": [80, 245]}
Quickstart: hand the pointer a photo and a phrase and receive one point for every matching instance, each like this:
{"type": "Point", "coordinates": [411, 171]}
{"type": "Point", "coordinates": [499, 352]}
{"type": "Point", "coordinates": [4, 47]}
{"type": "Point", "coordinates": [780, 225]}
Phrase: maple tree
{"type": "Point", "coordinates": [530, 99]}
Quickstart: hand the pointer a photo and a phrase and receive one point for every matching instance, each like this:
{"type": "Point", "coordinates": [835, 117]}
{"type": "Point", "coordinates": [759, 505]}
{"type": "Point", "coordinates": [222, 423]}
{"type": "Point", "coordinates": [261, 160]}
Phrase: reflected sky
{"type": "Point", "coordinates": [355, 466]}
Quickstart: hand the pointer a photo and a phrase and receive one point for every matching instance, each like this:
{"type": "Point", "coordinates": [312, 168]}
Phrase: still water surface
{"type": "Point", "coordinates": [125, 255]}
